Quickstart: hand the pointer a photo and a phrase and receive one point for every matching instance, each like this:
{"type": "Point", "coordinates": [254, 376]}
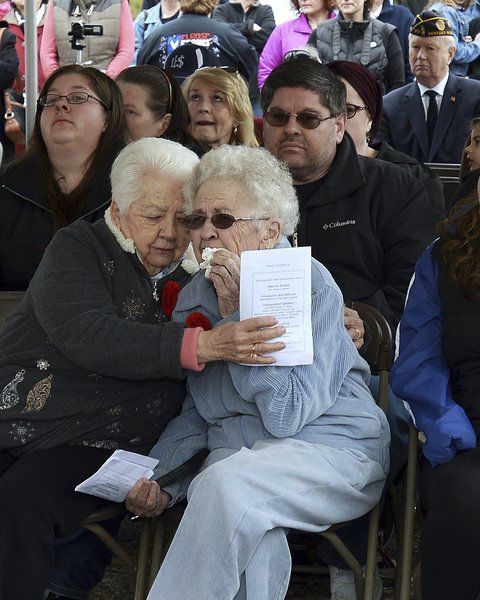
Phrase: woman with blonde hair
{"type": "Point", "coordinates": [220, 107]}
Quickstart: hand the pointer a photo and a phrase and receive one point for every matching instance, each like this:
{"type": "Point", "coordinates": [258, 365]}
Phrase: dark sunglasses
{"type": "Point", "coordinates": [279, 118]}
{"type": "Point", "coordinates": [352, 110]}
{"type": "Point", "coordinates": [219, 220]}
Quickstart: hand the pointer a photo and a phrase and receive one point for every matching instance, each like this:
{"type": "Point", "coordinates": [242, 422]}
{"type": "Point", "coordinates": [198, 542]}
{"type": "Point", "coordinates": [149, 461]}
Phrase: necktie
{"type": "Point", "coordinates": [432, 113]}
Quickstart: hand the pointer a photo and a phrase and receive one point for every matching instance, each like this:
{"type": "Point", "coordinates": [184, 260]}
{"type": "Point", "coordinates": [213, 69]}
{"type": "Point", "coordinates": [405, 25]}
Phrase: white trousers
{"type": "Point", "coordinates": [231, 543]}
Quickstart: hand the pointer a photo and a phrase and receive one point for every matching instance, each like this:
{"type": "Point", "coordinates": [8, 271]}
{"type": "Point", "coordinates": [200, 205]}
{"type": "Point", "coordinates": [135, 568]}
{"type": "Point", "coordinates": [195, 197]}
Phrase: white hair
{"type": "Point", "coordinates": [268, 182]}
{"type": "Point", "coordinates": [166, 159]}
{"type": "Point", "coordinates": [447, 40]}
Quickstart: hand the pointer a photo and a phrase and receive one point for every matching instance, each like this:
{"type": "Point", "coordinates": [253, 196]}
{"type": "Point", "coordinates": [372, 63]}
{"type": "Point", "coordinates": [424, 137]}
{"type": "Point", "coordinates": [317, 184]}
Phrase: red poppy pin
{"type": "Point", "coordinates": [170, 297]}
{"type": "Point", "coordinates": [197, 319]}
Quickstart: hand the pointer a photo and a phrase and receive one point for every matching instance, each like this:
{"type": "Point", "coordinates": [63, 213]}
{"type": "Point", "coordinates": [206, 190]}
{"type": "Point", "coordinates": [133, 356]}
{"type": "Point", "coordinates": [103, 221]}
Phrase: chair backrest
{"type": "Point", "coordinates": [379, 352]}
{"type": "Point", "coordinates": [445, 170]}
{"type": "Point", "coordinates": [8, 303]}
{"type": "Point", "coordinates": [450, 177]}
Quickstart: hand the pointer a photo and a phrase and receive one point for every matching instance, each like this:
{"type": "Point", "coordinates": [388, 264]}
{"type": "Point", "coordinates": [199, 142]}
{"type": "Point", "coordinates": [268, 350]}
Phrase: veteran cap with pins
{"type": "Point", "coordinates": [431, 24]}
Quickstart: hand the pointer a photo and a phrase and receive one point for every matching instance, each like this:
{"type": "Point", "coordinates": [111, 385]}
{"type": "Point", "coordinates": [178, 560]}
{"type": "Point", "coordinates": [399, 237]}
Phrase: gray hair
{"type": "Point", "coordinates": [268, 182]}
{"type": "Point", "coordinates": [164, 157]}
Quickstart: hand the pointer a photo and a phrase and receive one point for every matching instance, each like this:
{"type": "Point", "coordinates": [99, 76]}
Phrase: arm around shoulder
{"type": "Point", "coordinates": [74, 307]}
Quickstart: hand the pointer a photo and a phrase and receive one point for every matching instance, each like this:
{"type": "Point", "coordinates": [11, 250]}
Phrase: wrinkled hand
{"type": "Point", "coordinates": [147, 499]}
{"type": "Point", "coordinates": [225, 276]}
{"type": "Point", "coordinates": [354, 326]}
{"type": "Point", "coordinates": [241, 342]}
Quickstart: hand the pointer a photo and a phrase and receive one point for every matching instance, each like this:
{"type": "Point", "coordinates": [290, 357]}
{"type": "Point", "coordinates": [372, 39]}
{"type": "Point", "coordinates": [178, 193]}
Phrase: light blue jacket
{"type": "Point", "coordinates": [466, 52]}
{"type": "Point", "coordinates": [232, 406]}
{"type": "Point", "coordinates": [421, 376]}
{"type": "Point", "coordinates": [144, 24]}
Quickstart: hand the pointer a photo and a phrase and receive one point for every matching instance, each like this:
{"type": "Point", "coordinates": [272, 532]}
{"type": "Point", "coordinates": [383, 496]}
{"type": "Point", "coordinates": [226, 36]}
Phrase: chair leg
{"type": "Point", "coordinates": [404, 571]}
{"type": "Point", "coordinates": [351, 561]}
{"type": "Point", "coordinates": [144, 545]}
{"type": "Point", "coordinates": [372, 553]}
{"type": "Point", "coordinates": [115, 547]}
{"type": "Point", "coordinates": [157, 550]}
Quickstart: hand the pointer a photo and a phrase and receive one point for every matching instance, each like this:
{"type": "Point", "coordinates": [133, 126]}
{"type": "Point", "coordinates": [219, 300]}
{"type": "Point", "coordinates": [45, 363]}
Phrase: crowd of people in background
{"type": "Point", "coordinates": [208, 123]}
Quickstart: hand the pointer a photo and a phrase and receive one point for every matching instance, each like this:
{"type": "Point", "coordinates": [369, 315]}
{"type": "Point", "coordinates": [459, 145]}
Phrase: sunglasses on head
{"type": "Point", "coordinates": [219, 220]}
{"type": "Point", "coordinates": [308, 120]}
{"type": "Point", "coordinates": [231, 70]}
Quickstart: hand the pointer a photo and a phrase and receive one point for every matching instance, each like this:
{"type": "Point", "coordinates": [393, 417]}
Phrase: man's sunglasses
{"type": "Point", "coordinates": [219, 220]}
{"type": "Point", "coordinates": [308, 120]}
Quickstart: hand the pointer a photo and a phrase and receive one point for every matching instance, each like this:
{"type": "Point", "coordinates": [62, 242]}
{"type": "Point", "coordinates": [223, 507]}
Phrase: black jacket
{"type": "Point", "coordinates": [430, 180]}
{"type": "Point", "coordinates": [26, 226]}
{"type": "Point", "coordinates": [234, 50]}
{"type": "Point", "coordinates": [260, 14]}
{"type": "Point", "coordinates": [368, 222]}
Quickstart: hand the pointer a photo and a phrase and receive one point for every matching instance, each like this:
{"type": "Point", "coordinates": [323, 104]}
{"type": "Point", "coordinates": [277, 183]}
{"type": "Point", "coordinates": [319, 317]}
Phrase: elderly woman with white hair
{"type": "Point", "coordinates": [297, 447]}
{"type": "Point", "coordinates": [90, 362]}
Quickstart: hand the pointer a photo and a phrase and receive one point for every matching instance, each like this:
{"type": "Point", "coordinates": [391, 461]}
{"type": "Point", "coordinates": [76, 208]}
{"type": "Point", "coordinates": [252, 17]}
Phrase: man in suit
{"type": "Point", "coordinates": [429, 119]}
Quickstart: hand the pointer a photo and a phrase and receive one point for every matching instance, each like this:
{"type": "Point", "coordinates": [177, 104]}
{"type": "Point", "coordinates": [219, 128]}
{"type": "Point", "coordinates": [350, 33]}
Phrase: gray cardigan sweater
{"type": "Point", "coordinates": [88, 357]}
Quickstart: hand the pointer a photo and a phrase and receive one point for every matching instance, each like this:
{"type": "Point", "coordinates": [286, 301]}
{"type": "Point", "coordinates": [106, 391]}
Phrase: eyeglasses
{"type": "Point", "coordinates": [73, 98]}
{"type": "Point", "coordinates": [353, 108]}
{"type": "Point", "coordinates": [279, 118]}
{"type": "Point", "coordinates": [219, 220]}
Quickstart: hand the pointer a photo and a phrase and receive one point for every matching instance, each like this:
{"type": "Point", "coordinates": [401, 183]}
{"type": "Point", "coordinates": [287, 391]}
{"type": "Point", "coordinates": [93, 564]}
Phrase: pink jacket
{"type": "Point", "coordinates": [291, 35]}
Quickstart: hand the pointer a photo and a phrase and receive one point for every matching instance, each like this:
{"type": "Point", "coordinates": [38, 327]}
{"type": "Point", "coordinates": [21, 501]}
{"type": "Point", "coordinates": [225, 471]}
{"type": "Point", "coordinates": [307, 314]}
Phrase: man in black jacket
{"type": "Point", "coordinates": [226, 45]}
{"type": "Point", "coordinates": [253, 20]}
{"type": "Point", "coordinates": [366, 220]}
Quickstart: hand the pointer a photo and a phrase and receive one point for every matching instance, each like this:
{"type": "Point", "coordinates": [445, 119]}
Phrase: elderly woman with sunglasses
{"type": "Point", "coordinates": [90, 362]}
{"type": "Point", "coordinates": [64, 176]}
{"type": "Point", "coordinates": [297, 447]}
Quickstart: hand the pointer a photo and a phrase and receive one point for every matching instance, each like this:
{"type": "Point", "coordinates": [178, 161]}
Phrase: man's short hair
{"type": "Point", "coordinates": [309, 74]}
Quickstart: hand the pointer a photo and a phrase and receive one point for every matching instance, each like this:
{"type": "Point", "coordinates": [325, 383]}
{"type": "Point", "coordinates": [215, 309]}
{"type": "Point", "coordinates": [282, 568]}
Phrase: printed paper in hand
{"type": "Point", "coordinates": [117, 475]}
{"type": "Point", "coordinates": [278, 283]}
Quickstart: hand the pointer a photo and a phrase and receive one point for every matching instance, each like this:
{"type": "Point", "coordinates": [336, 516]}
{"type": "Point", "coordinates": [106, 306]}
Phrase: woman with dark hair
{"type": "Point", "coordinates": [293, 35]}
{"type": "Point", "coordinates": [354, 36]}
{"type": "Point", "coordinates": [364, 112]}
{"type": "Point", "coordinates": [438, 373]}
{"type": "Point", "coordinates": [64, 176]}
{"type": "Point", "coordinates": [470, 165]}
{"type": "Point", "coordinates": [154, 105]}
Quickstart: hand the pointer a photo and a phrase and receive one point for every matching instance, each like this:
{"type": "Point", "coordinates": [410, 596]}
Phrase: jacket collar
{"type": "Point", "coordinates": [300, 24]}
{"type": "Point", "coordinates": [345, 177]}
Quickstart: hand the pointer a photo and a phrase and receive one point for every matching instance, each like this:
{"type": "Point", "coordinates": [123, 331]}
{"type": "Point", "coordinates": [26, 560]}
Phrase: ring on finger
{"type": "Point", "coordinates": [358, 334]}
{"type": "Point", "coordinates": [253, 354]}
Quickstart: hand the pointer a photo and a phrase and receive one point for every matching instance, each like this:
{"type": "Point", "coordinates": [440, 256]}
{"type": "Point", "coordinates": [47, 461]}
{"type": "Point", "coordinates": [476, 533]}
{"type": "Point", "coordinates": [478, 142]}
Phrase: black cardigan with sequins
{"type": "Point", "coordinates": [88, 357]}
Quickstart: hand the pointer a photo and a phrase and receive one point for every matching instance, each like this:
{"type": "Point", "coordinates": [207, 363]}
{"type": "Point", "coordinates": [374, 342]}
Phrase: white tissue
{"type": "Point", "coordinates": [207, 255]}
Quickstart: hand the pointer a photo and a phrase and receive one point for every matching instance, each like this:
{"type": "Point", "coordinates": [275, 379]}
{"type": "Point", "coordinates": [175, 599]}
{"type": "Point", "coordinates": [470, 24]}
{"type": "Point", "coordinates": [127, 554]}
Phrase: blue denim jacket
{"type": "Point", "coordinates": [466, 52]}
